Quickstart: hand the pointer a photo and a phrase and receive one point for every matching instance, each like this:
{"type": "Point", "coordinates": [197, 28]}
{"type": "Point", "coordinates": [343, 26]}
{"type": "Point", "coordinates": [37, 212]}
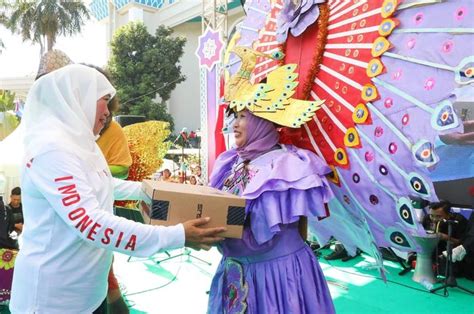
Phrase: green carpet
{"type": "Point", "coordinates": [180, 285]}
{"type": "Point", "coordinates": [360, 289]}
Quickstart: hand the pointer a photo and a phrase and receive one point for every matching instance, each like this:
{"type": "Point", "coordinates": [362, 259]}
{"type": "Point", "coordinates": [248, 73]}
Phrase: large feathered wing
{"type": "Point", "coordinates": [389, 74]}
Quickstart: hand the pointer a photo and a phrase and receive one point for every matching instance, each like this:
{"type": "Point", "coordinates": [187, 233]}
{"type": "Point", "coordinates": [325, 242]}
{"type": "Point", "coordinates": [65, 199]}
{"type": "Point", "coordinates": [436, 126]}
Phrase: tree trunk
{"type": "Point", "coordinates": [41, 42]}
{"type": "Point", "coordinates": [51, 39]}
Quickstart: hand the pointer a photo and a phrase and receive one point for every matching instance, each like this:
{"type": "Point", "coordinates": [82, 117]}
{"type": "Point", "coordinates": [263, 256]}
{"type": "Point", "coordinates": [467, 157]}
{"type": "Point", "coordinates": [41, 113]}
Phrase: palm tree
{"type": "Point", "coordinates": [37, 20]}
{"type": "Point", "coordinates": [3, 19]}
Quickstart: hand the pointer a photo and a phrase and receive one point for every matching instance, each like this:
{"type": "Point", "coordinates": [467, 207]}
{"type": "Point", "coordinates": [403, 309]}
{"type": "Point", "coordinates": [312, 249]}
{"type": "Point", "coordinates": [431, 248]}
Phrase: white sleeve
{"type": "Point", "coordinates": [128, 190]}
{"type": "Point", "coordinates": [60, 178]}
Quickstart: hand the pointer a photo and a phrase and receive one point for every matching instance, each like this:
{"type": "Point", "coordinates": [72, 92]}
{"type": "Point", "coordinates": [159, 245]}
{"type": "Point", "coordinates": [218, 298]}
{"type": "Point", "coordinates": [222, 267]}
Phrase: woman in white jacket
{"type": "Point", "coordinates": [68, 192]}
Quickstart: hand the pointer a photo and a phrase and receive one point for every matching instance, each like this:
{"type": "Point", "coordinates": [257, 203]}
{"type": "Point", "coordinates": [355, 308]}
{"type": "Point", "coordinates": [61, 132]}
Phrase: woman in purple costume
{"type": "Point", "coordinates": [271, 269]}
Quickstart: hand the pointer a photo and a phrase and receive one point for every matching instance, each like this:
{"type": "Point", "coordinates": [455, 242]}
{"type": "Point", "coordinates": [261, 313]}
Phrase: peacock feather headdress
{"type": "Point", "coordinates": [271, 100]}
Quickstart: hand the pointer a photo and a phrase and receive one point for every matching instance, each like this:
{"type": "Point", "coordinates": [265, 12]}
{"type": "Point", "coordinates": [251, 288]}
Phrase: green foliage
{"type": "Point", "coordinates": [36, 20]}
{"type": "Point", "coordinates": [142, 66]}
{"type": "Point", "coordinates": [8, 121]}
{"type": "Point", "coordinates": [7, 100]}
{"type": "Point", "coordinates": [3, 19]}
{"type": "Point", "coordinates": [145, 106]}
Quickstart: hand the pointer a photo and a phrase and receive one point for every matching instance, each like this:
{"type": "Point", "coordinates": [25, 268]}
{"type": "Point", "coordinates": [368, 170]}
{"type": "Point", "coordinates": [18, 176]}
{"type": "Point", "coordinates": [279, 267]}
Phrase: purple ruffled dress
{"type": "Point", "coordinates": [271, 269]}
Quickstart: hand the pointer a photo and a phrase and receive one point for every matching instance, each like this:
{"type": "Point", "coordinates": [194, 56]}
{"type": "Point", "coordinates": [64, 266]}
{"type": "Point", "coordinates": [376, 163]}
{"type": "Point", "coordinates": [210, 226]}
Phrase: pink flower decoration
{"type": "Point", "coordinates": [392, 148]}
{"type": "Point", "coordinates": [447, 46]}
{"type": "Point", "coordinates": [388, 103]}
{"type": "Point", "coordinates": [411, 43]}
{"type": "Point", "coordinates": [460, 13]}
{"type": "Point", "coordinates": [378, 131]}
{"type": "Point", "coordinates": [429, 83]}
{"type": "Point", "coordinates": [418, 18]}
{"type": "Point", "coordinates": [405, 119]}
{"type": "Point", "coordinates": [397, 75]}
{"type": "Point", "coordinates": [369, 156]}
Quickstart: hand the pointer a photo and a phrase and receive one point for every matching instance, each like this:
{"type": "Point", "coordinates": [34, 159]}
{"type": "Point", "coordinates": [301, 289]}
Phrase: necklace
{"type": "Point", "coordinates": [239, 178]}
{"type": "Point", "coordinates": [241, 174]}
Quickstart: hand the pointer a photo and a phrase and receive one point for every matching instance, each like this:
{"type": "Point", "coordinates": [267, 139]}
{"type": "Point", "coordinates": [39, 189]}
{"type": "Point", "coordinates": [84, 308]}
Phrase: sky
{"type": "Point", "coordinates": [19, 59]}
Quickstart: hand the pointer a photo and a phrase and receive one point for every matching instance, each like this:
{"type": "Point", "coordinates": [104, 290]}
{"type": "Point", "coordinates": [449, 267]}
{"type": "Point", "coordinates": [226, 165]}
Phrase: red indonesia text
{"type": "Point", "coordinates": [93, 230]}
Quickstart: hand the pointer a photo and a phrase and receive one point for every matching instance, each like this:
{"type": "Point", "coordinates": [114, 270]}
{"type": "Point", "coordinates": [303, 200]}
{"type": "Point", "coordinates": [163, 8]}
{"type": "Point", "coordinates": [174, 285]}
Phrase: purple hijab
{"type": "Point", "coordinates": [262, 136]}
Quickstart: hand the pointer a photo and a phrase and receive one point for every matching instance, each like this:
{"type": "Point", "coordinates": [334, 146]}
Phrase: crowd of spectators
{"type": "Point", "coordinates": [194, 177]}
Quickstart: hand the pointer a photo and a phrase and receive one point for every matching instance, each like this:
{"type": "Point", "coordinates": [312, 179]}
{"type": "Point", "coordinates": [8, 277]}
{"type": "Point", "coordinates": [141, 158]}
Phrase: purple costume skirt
{"type": "Point", "coordinates": [279, 276]}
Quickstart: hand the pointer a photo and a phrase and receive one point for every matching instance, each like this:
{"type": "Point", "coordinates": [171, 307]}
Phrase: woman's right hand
{"type": "Point", "coordinates": [198, 237]}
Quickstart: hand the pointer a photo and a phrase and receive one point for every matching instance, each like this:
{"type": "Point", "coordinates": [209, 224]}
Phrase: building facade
{"type": "Point", "coordinates": [183, 16]}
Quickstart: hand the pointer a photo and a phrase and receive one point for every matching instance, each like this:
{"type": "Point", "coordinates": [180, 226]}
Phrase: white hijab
{"type": "Point", "coordinates": [60, 113]}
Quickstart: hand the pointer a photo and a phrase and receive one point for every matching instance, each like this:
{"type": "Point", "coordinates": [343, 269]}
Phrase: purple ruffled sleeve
{"type": "Point", "coordinates": [272, 209]}
{"type": "Point", "coordinates": [293, 168]}
{"type": "Point", "coordinates": [222, 168]}
{"type": "Point", "coordinates": [291, 185]}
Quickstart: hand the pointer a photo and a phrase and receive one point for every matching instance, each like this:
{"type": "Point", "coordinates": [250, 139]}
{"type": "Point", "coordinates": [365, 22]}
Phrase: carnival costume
{"type": "Point", "coordinates": [271, 269]}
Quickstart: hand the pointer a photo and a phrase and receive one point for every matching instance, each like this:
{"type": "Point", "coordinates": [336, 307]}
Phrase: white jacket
{"type": "Point", "coordinates": [70, 232]}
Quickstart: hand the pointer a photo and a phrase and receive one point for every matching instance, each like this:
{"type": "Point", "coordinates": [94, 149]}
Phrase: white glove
{"type": "Point", "coordinates": [458, 253]}
{"type": "Point", "coordinates": [13, 235]}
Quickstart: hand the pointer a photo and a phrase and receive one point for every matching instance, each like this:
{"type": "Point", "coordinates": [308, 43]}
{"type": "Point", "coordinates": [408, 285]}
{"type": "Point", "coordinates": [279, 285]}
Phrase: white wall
{"type": "Point", "coordinates": [184, 101]}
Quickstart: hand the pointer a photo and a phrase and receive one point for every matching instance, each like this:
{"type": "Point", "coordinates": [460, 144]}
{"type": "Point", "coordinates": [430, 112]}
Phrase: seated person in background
{"type": "Point", "coordinates": [7, 226]}
{"type": "Point", "coordinates": [181, 177]}
{"type": "Point", "coordinates": [463, 255]}
{"type": "Point", "coordinates": [8, 251]}
{"type": "Point", "coordinates": [439, 214]}
{"type": "Point", "coordinates": [341, 253]}
{"type": "Point", "coordinates": [198, 174]}
{"type": "Point", "coordinates": [436, 221]}
{"type": "Point", "coordinates": [16, 209]}
{"type": "Point", "coordinates": [166, 176]}
{"type": "Point", "coordinates": [192, 180]}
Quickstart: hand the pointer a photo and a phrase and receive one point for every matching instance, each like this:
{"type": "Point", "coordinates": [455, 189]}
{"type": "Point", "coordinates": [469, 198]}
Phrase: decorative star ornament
{"type": "Point", "coordinates": [209, 50]}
